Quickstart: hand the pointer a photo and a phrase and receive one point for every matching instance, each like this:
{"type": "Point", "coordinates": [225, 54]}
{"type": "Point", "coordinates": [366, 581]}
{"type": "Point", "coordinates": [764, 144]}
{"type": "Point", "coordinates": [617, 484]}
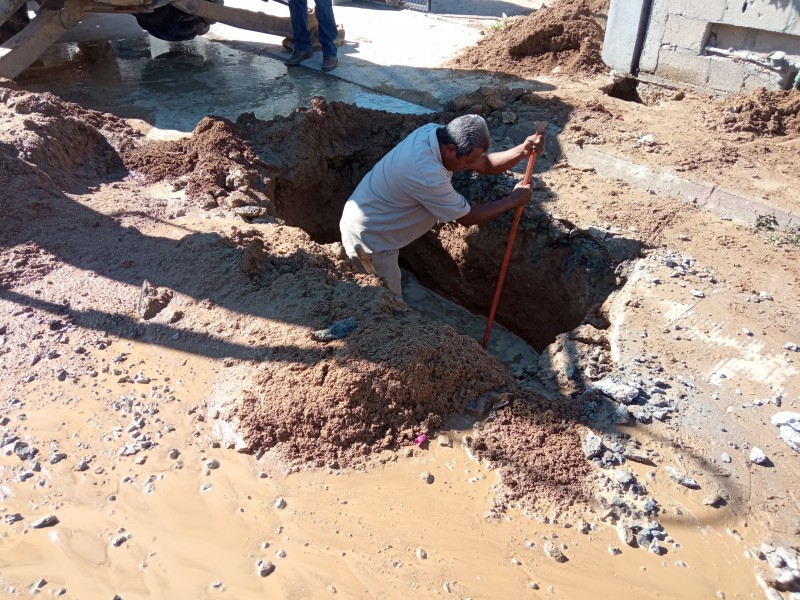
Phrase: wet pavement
{"type": "Point", "coordinates": [172, 86]}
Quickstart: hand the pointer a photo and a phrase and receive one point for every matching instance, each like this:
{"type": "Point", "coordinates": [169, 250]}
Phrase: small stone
{"type": "Point", "coordinates": [427, 477]}
{"type": "Point", "coordinates": [792, 347]}
{"type": "Point", "coordinates": [726, 458]}
{"type": "Point", "coordinates": [614, 551]}
{"type": "Point", "coordinates": [331, 589]}
{"type": "Point", "coordinates": [212, 463]}
{"type": "Point", "coordinates": [421, 554]}
{"type": "Point", "coordinates": [46, 521]}
{"type": "Point", "coordinates": [281, 553]}
{"type": "Point", "coordinates": [264, 568]}
{"type": "Point", "coordinates": [554, 552]}
{"type": "Point", "coordinates": [757, 456]}
{"type": "Point", "coordinates": [174, 453]}
{"type": "Point", "coordinates": [280, 503]}
{"type": "Point", "coordinates": [445, 441]}
{"type": "Point", "coordinates": [119, 540]}
{"type": "Point", "coordinates": [698, 294]}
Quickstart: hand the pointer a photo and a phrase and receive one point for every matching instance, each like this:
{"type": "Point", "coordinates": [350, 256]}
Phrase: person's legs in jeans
{"type": "Point", "coordinates": [327, 26]}
{"type": "Point", "coordinates": [298, 10]}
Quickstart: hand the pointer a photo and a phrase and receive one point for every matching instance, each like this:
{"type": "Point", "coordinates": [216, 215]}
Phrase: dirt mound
{"type": "Point", "coordinates": [563, 38]}
{"type": "Point", "coordinates": [74, 146]}
{"type": "Point", "coordinates": [540, 465]}
{"type": "Point", "coordinates": [764, 112]}
{"type": "Point", "coordinates": [214, 165]}
{"type": "Point", "coordinates": [47, 147]}
{"type": "Point", "coordinates": [382, 376]}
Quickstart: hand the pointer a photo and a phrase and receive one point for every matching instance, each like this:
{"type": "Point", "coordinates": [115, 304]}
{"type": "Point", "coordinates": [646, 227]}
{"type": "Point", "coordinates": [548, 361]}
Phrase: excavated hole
{"type": "Point", "coordinates": [626, 89]}
{"type": "Point", "coordinates": [558, 277]}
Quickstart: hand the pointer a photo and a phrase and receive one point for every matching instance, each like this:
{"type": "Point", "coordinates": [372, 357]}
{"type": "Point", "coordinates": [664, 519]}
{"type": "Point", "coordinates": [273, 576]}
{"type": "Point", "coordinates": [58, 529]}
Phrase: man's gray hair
{"type": "Point", "coordinates": [469, 132]}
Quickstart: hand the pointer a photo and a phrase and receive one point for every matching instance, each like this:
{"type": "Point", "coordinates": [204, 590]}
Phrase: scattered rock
{"type": "Point", "coordinates": [264, 568]}
{"type": "Point", "coordinates": [758, 457]}
{"type": "Point", "coordinates": [46, 521]}
{"type": "Point", "coordinates": [554, 552]}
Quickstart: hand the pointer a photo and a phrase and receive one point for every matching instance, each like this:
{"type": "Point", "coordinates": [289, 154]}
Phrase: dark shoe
{"type": "Point", "coordinates": [297, 57]}
{"type": "Point", "coordinates": [329, 63]}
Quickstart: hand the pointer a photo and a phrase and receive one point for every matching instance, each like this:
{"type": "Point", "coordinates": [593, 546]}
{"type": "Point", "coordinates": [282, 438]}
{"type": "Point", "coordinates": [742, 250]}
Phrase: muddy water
{"type": "Point", "coordinates": [172, 86]}
{"type": "Point", "coordinates": [174, 528]}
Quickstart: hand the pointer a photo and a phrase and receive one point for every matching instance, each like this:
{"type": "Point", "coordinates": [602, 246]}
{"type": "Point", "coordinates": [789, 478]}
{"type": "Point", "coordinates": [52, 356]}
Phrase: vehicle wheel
{"type": "Point", "coordinates": [171, 24]}
{"type": "Point", "coordinates": [14, 24]}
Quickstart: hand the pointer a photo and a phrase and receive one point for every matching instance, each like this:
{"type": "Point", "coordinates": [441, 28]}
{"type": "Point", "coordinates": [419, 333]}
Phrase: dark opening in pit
{"type": "Point", "coordinates": [626, 89]}
{"type": "Point", "coordinates": [559, 273]}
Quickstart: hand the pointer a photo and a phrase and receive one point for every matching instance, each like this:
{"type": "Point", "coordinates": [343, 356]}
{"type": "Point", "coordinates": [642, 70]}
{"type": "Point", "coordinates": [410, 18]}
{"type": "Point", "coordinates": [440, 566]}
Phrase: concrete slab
{"type": "Point", "coordinates": [725, 203]}
{"type": "Point", "coordinates": [685, 32]}
{"type": "Point", "coordinates": [400, 52]}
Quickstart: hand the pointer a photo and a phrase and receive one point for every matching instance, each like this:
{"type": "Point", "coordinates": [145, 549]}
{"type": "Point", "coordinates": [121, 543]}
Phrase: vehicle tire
{"type": "Point", "coordinates": [15, 23]}
{"type": "Point", "coordinates": [172, 25]}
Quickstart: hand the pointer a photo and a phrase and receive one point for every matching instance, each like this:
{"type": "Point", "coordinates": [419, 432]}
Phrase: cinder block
{"type": "Point", "coordinates": [685, 32]}
{"type": "Point", "coordinates": [761, 78]}
{"type": "Point", "coordinates": [682, 66]}
{"type": "Point", "coordinates": [710, 10]}
{"type": "Point", "coordinates": [793, 26]}
{"type": "Point", "coordinates": [727, 75]}
{"type": "Point", "coordinates": [655, 31]}
{"type": "Point", "coordinates": [761, 14]}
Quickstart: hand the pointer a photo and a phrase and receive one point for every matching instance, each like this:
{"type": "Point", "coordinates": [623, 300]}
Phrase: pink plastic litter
{"type": "Point", "coordinates": [421, 439]}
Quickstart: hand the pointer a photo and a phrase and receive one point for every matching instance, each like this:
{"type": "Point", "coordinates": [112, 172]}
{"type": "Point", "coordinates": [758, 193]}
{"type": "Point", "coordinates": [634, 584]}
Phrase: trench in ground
{"type": "Point", "coordinates": [556, 280]}
{"type": "Point", "coordinates": [558, 276]}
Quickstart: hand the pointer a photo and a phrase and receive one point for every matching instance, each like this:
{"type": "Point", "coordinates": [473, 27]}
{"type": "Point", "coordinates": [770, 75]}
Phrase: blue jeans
{"type": "Point", "coordinates": [298, 9]}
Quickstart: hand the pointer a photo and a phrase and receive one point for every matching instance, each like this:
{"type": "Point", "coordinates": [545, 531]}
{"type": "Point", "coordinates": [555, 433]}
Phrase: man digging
{"type": "Point", "coordinates": [410, 189]}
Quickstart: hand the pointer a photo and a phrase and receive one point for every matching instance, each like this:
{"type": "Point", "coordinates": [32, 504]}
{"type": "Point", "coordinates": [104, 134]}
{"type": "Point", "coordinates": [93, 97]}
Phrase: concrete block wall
{"type": "Point", "coordinates": [722, 46]}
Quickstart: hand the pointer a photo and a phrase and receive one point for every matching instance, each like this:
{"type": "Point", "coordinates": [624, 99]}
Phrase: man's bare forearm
{"type": "Point", "coordinates": [481, 213]}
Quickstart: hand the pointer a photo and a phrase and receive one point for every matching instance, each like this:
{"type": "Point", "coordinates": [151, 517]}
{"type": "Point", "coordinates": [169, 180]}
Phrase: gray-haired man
{"type": "Point", "coordinates": [410, 189]}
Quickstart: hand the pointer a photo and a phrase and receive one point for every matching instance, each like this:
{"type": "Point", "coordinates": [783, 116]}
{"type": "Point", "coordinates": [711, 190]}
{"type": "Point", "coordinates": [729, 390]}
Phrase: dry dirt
{"type": "Point", "coordinates": [159, 306]}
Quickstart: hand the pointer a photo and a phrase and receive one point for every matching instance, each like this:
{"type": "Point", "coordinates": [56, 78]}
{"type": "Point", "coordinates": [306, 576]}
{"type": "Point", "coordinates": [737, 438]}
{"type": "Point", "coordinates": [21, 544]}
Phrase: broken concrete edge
{"type": "Point", "coordinates": [707, 196]}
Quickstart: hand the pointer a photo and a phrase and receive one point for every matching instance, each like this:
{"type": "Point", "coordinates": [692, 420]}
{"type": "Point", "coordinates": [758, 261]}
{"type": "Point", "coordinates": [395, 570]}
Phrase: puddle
{"type": "Point", "coordinates": [380, 533]}
{"type": "Point", "coordinates": [173, 85]}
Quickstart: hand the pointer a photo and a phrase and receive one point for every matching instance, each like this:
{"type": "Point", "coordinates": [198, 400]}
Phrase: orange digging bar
{"type": "Point", "coordinates": [540, 125]}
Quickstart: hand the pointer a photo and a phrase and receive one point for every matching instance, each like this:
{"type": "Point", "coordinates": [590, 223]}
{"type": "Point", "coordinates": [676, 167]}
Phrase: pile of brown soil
{"type": "Point", "coordinates": [564, 37]}
{"type": "Point", "coordinates": [764, 112]}
{"type": "Point", "coordinates": [214, 165]}
{"type": "Point", "coordinates": [541, 468]}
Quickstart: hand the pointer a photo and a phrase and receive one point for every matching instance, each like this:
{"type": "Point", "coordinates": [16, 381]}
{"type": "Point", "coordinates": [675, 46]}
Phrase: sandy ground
{"type": "Point", "coordinates": [167, 401]}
